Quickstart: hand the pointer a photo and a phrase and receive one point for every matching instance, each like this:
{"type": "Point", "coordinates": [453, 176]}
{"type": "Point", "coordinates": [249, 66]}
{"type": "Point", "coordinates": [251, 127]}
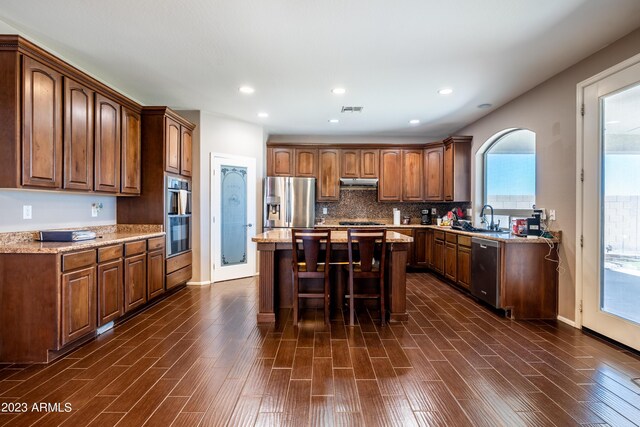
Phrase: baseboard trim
{"type": "Point", "coordinates": [567, 321]}
{"type": "Point", "coordinates": [206, 282]}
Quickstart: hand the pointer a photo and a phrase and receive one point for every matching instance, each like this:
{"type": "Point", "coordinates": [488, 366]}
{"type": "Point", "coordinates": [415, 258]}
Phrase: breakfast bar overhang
{"type": "Point", "coordinates": [275, 289]}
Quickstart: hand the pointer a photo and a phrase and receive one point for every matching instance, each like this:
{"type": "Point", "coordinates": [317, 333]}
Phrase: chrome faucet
{"type": "Point", "coordinates": [492, 226]}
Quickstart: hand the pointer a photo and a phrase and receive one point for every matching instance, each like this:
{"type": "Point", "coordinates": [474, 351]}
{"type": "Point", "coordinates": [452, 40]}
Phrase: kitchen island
{"type": "Point", "coordinates": [276, 281]}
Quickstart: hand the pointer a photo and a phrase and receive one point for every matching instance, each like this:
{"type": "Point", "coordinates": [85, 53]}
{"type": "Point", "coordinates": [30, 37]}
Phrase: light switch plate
{"type": "Point", "coordinates": [26, 212]}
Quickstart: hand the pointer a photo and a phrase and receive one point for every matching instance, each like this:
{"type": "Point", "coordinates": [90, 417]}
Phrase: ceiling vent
{"type": "Point", "coordinates": [352, 109]}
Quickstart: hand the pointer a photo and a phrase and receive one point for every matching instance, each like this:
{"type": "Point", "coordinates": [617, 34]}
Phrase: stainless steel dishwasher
{"type": "Point", "coordinates": [485, 270]}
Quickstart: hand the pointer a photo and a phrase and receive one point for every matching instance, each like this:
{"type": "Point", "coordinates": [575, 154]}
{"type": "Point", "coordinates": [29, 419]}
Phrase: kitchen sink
{"type": "Point", "coordinates": [477, 230]}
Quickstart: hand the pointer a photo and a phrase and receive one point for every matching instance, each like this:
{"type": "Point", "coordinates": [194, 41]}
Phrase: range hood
{"type": "Point", "coordinates": [359, 183]}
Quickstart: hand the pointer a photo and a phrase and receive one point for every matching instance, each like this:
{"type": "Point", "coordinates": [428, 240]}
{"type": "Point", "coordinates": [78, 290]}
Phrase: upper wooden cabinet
{"type": "Point", "coordinates": [369, 163]}
{"type": "Point", "coordinates": [412, 175]}
{"type": "Point", "coordinates": [306, 162]}
{"type": "Point", "coordinates": [457, 169]}
{"type": "Point", "coordinates": [107, 145]}
{"type": "Point", "coordinates": [78, 136]}
{"type": "Point", "coordinates": [186, 148]}
{"type": "Point", "coordinates": [42, 125]}
{"type": "Point", "coordinates": [172, 146]}
{"type": "Point", "coordinates": [390, 186]}
{"type": "Point", "coordinates": [433, 172]}
{"type": "Point", "coordinates": [350, 163]}
{"type": "Point", "coordinates": [60, 128]}
{"type": "Point", "coordinates": [130, 180]}
{"type": "Point", "coordinates": [328, 187]}
{"type": "Point", "coordinates": [280, 161]}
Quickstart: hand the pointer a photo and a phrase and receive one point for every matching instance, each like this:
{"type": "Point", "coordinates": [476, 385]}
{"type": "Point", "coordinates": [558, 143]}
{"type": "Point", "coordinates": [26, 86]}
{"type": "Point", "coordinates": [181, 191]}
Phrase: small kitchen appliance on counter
{"type": "Point", "coordinates": [66, 235]}
{"type": "Point", "coordinates": [534, 224]}
{"type": "Point", "coordinates": [425, 217]}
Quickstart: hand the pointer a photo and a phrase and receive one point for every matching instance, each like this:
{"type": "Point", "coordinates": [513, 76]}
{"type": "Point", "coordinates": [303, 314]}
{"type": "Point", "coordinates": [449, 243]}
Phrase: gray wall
{"type": "Point", "coordinates": [53, 210]}
{"type": "Point", "coordinates": [550, 111]}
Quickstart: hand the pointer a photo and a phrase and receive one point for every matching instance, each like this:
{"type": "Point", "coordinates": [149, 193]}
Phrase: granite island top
{"type": "Point", "coordinates": [24, 243]}
{"type": "Point", "coordinates": [284, 236]}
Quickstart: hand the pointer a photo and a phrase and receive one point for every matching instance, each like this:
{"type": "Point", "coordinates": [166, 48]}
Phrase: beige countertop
{"type": "Point", "coordinates": [102, 239]}
{"type": "Point", "coordinates": [500, 237]}
{"type": "Point", "coordinates": [336, 225]}
{"type": "Point", "coordinates": [284, 236]}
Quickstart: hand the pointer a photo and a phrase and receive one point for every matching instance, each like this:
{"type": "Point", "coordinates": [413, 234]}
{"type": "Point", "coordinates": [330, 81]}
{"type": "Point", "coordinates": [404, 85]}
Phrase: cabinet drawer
{"type": "Point", "coordinates": [464, 241]}
{"type": "Point", "coordinates": [438, 235]}
{"type": "Point", "coordinates": [178, 277]}
{"type": "Point", "coordinates": [135, 248]}
{"type": "Point", "coordinates": [451, 237]}
{"type": "Point", "coordinates": [179, 261]}
{"type": "Point", "coordinates": [78, 259]}
{"type": "Point", "coordinates": [155, 243]}
{"type": "Point", "coordinates": [110, 252]}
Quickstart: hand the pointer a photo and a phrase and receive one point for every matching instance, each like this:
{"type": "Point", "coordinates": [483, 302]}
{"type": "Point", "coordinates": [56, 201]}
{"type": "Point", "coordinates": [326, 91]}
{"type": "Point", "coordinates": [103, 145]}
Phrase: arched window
{"type": "Point", "coordinates": [510, 171]}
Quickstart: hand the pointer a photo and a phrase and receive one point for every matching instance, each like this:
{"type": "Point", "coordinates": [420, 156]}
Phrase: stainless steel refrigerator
{"type": "Point", "coordinates": [289, 202]}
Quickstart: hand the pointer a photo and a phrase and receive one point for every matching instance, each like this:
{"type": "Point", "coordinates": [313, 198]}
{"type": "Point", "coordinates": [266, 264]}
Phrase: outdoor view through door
{"type": "Point", "coordinates": [233, 197]}
{"type": "Point", "coordinates": [611, 205]}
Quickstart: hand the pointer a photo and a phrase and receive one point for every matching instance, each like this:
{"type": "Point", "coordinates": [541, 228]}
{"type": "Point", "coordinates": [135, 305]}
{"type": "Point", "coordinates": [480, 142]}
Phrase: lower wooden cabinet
{"type": "Point", "coordinates": [78, 304]}
{"type": "Point", "coordinates": [110, 290]}
{"type": "Point", "coordinates": [464, 266]}
{"type": "Point", "coordinates": [155, 274]}
{"type": "Point", "coordinates": [437, 259]}
{"type": "Point", "coordinates": [420, 248]}
{"type": "Point", "coordinates": [451, 261]}
{"type": "Point", "coordinates": [135, 282]}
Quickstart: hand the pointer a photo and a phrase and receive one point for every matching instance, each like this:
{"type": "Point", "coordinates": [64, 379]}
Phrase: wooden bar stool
{"type": "Point", "coordinates": [367, 248]}
{"type": "Point", "coordinates": [309, 262]}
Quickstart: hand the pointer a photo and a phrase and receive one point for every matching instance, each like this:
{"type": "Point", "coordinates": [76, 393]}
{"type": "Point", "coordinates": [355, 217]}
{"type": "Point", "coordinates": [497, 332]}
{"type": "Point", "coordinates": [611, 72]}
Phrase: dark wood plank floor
{"type": "Point", "coordinates": [198, 358]}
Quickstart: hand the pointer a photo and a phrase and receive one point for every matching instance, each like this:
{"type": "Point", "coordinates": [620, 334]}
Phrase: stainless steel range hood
{"type": "Point", "coordinates": [359, 183]}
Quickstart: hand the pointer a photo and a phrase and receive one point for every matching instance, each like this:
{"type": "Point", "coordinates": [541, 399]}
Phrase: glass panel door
{"type": "Point", "coordinates": [233, 195]}
{"type": "Point", "coordinates": [620, 221]}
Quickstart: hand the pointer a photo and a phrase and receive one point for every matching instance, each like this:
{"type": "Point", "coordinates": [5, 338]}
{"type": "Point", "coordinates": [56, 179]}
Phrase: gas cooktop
{"type": "Point", "coordinates": [359, 223]}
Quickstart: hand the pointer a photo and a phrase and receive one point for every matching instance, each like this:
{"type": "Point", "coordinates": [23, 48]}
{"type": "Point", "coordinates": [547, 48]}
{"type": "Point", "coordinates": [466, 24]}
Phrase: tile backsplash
{"type": "Point", "coordinates": [363, 204]}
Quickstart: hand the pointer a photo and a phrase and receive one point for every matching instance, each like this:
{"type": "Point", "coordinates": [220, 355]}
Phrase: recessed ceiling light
{"type": "Point", "coordinates": [613, 122]}
{"type": "Point", "coordinates": [246, 89]}
{"type": "Point", "coordinates": [334, 121]}
{"type": "Point", "coordinates": [414, 121]}
{"type": "Point", "coordinates": [263, 115]}
{"type": "Point", "coordinates": [485, 106]}
{"type": "Point", "coordinates": [445, 91]}
{"type": "Point", "coordinates": [338, 91]}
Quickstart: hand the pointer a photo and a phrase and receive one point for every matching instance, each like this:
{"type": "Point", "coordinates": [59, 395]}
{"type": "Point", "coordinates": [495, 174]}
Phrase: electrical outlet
{"type": "Point", "coordinates": [552, 214]}
{"type": "Point", "coordinates": [434, 211]}
{"type": "Point", "coordinates": [26, 212]}
{"type": "Point", "coordinates": [324, 211]}
{"type": "Point", "coordinates": [94, 210]}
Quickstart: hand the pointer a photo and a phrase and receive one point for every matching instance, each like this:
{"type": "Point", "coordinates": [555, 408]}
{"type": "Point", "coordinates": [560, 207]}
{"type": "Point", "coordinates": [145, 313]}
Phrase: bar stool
{"type": "Point", "coordinates": [367, 249]}
{"type": "Point", "coordinates": [307, 263]}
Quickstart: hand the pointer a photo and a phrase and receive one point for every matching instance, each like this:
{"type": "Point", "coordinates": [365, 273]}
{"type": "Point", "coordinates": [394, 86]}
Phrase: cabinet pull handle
{"type": "Point", "coordinates": [483, 246]}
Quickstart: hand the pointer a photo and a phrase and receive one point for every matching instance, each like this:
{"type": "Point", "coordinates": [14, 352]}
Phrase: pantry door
{"type": "Point", "coordinates": [611, 206]}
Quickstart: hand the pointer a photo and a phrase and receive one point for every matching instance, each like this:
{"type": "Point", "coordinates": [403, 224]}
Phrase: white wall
{"type": "Point", "coordinates": [53, 210]}
{"type": "Point", "coordinates": [218, 134]}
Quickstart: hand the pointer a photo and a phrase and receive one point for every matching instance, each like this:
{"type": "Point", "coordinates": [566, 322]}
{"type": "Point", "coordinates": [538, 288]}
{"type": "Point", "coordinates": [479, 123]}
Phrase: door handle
{"type": "Point", "coordinates": [249, 225]}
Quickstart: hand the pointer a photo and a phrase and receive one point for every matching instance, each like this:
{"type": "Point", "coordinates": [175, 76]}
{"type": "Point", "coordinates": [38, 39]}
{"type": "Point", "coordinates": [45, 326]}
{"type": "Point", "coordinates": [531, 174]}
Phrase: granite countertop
{"type": "Point", "coordinates": [500, 237]}
{"type": "Point", "coordinates": [105, 237]}
{"type": "Point", "coordinates": [336, 225]}
{"type": "Point", "coordinates": [284, 236]}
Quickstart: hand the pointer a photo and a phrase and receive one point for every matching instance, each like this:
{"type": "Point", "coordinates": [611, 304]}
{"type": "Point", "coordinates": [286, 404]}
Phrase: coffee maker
{"type": "Point", "coordinates": [425, 217]}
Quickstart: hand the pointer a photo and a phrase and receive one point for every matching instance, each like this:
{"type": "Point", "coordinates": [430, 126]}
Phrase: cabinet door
{"type": "Point", "coordinates": [350, 163]}
{"type": "Point", "coordinates": [186, 162]}
{"type": "Point", "coordinates": [412, 175]}
{"type": "Point", "coordinates": [155, 274]}
{"type": "Point", "coordinates": [433, 164]}
{"type": "Point", "coordinates": [420, 252]}
{"type": "Point", "coordinates": [448, 172]}
{"type": "Point", "coordinates": [280, 161]}
{"type": "Point", "coordinates": [107, 145]}
{"type": "Point", "coordinates": [429, 243]}
{"type": "Point", "coordinates": [450, 261]}
{"type": "Point", "coordinates": [306, 162]}
{"type": "Point", "coordinates": [131, 152]}
{"type": "Point", "coordinates": [390, 186]}
{"type": "Point", "coordinates": [438, 256]}
{"type": "Point", "coordinates": [110, 288]}
{"type": "Point", "coordinates": [78, 136]}
{"type": "Point", "coordinates": [464, 266]}
{"type": "Point", "coordinates": [369, 163]}
{"type": "Point", "coordinates": [329, 175]}
{"type": "Point", "coordinates": [41, 125]}
{"type": "Point", "coordinates": [78, 304]}
{"type": "Point", "coordinates": [171, 145]}
{"type": "Point", "coordinates": [135, 281]}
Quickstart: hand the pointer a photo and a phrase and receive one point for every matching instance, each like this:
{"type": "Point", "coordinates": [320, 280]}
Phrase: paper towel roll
{"type": "Point", "coordinates": [396, 216]}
